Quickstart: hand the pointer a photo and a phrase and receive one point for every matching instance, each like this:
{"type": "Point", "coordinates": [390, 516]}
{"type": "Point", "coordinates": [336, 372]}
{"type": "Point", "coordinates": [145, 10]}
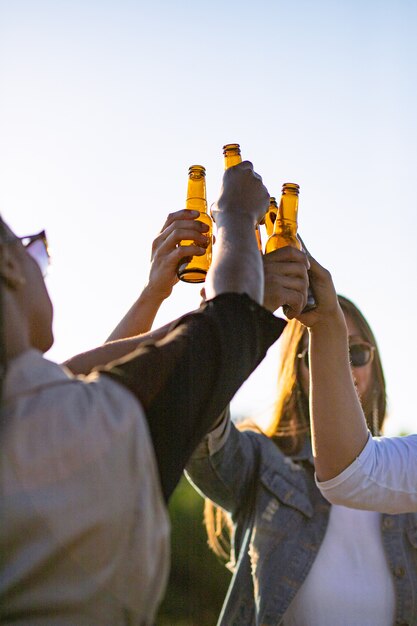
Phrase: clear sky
{"type": "Point", "coordinates": [104, 104]}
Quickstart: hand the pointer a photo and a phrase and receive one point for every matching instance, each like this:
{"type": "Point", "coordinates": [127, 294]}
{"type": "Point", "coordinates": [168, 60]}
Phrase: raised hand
{"type": "Point", "coordinates": [167, 254]}
{"type": "Point", "coordinates": [242, 191]}
{"type": "Point", "coordinates": [165, 257]}
{"type": "Point", "coordinates": [286, 279]}
{"type": "Point", "coordinates": [328, 308]}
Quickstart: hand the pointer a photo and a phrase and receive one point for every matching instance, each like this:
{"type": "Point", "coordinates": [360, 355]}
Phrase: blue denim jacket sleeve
{"type": "Point", "coordinates": [223, 466]}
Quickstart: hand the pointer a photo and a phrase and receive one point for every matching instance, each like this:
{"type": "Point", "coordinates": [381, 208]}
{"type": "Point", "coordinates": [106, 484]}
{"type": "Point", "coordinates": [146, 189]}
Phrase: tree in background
{"type": "Point", "coordinates": [198, 580]}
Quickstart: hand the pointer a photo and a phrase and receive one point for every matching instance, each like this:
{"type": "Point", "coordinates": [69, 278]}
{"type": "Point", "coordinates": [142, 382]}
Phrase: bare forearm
{"type": "Point", "coordinates": [237, 263]}
{"type": "Point", "coordinates": [139, 318]}
{"type": "Point", "coordinates": [339, 430]}
{"type": "Point", "coordinates": [85, 362]}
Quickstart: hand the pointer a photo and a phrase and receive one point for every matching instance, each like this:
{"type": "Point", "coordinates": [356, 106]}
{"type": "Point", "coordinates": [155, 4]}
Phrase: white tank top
{"type": "Point", "coordinates": [350, 583]}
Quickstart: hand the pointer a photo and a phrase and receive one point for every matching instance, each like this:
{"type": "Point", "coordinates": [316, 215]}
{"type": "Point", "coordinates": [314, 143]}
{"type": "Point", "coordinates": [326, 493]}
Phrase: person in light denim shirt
{"type": "Point", "coordinates": [296, 559]}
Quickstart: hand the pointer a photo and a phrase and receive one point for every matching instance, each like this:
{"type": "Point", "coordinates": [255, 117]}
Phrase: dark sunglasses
{"type": "Point", "coordinates": [37, 247]}
{"type": "Point", "coordinates": [360, 354]}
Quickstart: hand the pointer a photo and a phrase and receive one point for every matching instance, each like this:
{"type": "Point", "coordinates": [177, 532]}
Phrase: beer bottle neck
{"type": "Point", "coordinates": [232, 159]}
{"type": "Point", "coordinates": [285, 226]}
{"type": "Point", "coordinates": [196, 194]}
{"type": "Point", "coordinates": [288, 209]}
{"type": "Point", "coordinates": [232, 156]}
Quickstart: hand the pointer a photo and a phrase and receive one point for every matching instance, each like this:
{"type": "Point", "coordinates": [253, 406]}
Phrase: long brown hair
{"type": "Point", "coordinates": [289, 423]}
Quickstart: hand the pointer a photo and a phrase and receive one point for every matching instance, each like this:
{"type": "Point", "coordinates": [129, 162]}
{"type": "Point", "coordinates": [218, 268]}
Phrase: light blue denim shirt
{"type": "Point", "coordinates": [280, 519]}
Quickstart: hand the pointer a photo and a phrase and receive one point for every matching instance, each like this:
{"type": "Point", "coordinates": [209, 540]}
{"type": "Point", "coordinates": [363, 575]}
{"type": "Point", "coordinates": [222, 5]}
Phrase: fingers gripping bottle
{"type": "Point", "coordinates": [232, 156]}
{"type": "Point", "coordinates": [285, 228]}
{"type": "Point", "coordinates": [194, 270]}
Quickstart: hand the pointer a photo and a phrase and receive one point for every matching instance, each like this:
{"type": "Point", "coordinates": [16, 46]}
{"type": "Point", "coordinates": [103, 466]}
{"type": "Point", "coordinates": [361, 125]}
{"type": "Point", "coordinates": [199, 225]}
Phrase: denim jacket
{"type": "Point", "coordinates": [279, 521]}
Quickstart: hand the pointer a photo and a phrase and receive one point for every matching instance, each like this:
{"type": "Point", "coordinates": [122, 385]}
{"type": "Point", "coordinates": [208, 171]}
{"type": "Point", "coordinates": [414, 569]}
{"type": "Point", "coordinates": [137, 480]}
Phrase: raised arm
{"type": "Point", "coordinates": [135, 327]}
{"type": "Point", "coordinates": [85, 362]}
{"type": "Point", "coordinates": [353, 468]}
{"type": "Point", "coordinates": [200, 365]}
{"type": "Point", "coordinates": [237, 263]}
{"type": "Point", "coordinates": [238, 266]}
{"type": "Point", "coordinates": [165, 257]}
{"type": "Point", "coordinates": [338, 427]}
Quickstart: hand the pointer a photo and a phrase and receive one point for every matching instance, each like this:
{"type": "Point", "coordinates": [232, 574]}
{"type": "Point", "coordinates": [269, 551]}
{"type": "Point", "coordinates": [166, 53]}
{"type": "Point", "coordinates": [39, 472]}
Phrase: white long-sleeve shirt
{"type": "Point", "coordinates": [383, 478]}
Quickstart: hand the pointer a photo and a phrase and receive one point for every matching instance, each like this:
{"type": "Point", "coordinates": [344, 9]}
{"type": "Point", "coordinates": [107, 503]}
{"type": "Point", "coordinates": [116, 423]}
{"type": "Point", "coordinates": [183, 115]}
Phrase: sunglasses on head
{"type": "Point", "coordinates": [37, 247]}
{"type": "Point", "coordinates": [360, 353]}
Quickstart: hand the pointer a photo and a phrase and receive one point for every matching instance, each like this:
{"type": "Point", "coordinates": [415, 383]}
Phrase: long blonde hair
{"type": "Point", "coordinates": [289, 423]}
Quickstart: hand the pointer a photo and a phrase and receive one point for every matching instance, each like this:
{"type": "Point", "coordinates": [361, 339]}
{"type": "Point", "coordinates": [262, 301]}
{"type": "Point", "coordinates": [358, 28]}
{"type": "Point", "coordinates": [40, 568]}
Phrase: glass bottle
{"type": "Point", "coordinates": [285, 225]}
{"type": "Point", "coordinates": [271, 216]}
{"type": "Point", "coordinates": [232, 156]}
{"type": "Point", "coordinates": [231, 153]}
{"type": "Point", "coordinates": [195, 269]}
{"type": "Point", "coordinates": [285, 229]}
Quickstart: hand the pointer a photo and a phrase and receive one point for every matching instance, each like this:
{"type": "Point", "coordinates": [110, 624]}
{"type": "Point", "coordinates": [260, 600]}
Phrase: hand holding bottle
{"type": "Point", "coordinates": [232, 157]}
{"type": "Point", "coordinates": [166, 253]}
{"type": "Point", "coordinates": [286, 279]}
{"type": "Point", "coordinates": [194, 269]}
{"type": "Point", "coordinates": [237, 262]}
{"type": "Point", "coordinates": [242, 192]}
{"type": "Point", "coordinates": [327, 311]}
{"type": "Point", "coordinates": [165, 256]}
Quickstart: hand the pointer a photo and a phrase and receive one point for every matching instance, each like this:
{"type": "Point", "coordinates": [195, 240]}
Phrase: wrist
{"type": "Point", "coordinates": [228, 213]}
{"type": "Point", "coordinates": [153, 295]}
{"type": "Point", "coordinates": [331, 325]}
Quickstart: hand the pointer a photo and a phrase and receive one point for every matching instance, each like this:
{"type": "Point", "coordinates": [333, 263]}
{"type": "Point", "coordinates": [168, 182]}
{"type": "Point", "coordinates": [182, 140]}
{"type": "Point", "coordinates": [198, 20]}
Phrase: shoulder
{"type": "Point", "coordinates": [282, 482]}
{"type": "Point", "coordinates": [60, 426]}
{"type": "Point", "coordinates": [271, 457]}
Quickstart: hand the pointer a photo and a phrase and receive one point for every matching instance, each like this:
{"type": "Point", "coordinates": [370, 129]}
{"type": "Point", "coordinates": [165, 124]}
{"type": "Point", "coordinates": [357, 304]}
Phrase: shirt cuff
{"type": "Point", "coordinates": [357, 464]}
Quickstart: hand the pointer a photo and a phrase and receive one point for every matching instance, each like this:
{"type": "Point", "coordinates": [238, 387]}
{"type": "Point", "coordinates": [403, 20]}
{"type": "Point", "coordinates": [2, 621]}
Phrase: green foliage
{"type": "Point", "coordinates": [198, 580]}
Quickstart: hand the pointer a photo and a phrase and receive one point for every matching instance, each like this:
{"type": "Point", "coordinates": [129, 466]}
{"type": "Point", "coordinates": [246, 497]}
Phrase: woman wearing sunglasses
{"type": "Point", "coordinates": [298, 561]}
{"type": "Point", "coordinates": [353, 468]}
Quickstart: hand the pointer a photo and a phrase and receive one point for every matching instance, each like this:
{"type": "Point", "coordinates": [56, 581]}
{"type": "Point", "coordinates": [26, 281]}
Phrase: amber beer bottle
{"type": "Point", "coordinates": [195, 270]}
{"type": "Point", "coordinates": [232, 156]}
{"type": "Point", "coordinates": [285, 228]}
{"type": "Point", "coordinates": [271, 216]}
